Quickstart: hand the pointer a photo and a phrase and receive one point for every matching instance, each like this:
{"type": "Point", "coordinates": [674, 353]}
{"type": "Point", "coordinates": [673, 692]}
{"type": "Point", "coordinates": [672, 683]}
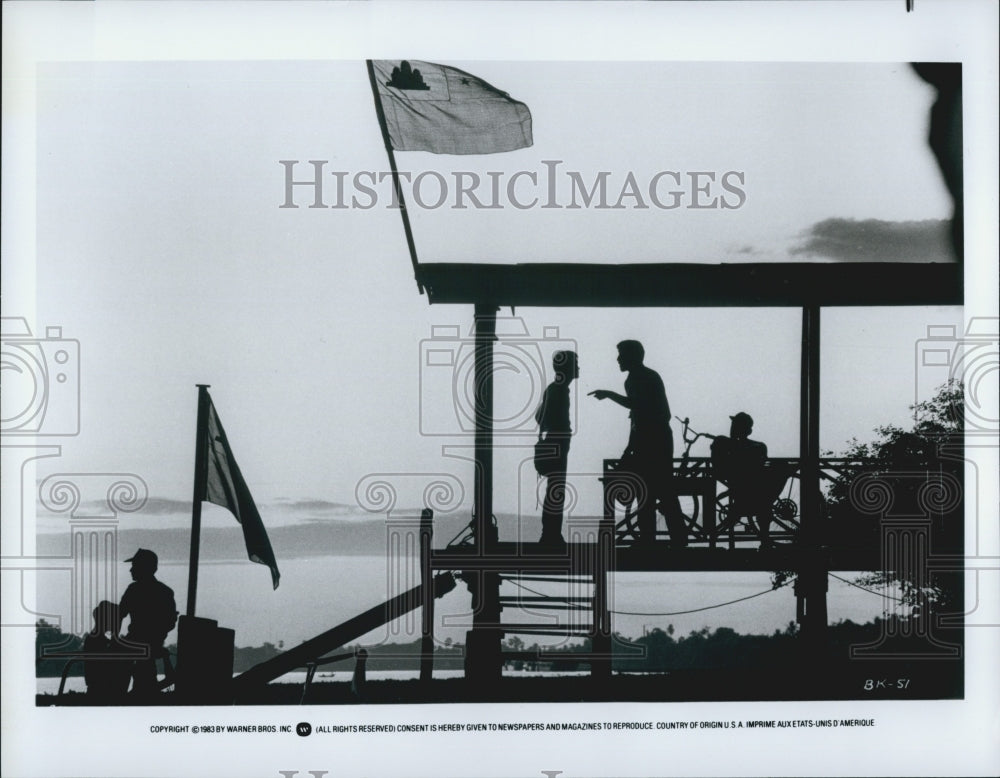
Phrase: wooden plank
{"type": "Point", "coordinates": [694, 285]}
{"type": "Point", "coordinates": [352, 629]}
{"type": "Point", "coordinates": [662, 558]}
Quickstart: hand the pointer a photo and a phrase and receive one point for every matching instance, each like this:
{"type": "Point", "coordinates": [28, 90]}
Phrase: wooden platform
{"type": "Point", "coordinates": [582, 558]}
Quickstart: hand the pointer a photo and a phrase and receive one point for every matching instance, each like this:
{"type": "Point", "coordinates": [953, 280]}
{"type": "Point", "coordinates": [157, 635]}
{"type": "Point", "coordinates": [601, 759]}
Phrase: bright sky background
{"type": "Point", "coordinates": [162, 249]}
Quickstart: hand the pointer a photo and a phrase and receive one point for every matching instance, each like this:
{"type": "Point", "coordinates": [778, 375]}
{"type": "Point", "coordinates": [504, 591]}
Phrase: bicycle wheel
{"type": "Point", "coordinates": [784, 518]}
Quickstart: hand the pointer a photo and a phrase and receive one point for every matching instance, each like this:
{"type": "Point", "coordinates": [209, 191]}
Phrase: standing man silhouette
{"type": "Point", "coordinates": [152, 611]}
{"type": "Point", "coordinates": [650, 450]}
{"type": "Point", "coordinates": [554, 427]}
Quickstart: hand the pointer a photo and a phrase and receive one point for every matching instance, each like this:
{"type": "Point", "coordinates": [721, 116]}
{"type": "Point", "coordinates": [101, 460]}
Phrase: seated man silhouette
{"type": "Point", "coordinates": [106, 664]}
{"type": "Point", "coordinates": [740, 463]}
{"type": "Point", "coordinates": [152, 610]}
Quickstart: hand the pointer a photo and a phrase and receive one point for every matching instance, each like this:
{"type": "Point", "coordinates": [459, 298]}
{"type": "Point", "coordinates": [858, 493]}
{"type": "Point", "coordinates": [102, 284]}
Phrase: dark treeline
{"type": "Point", "coordinates": [723, 648]}
{"type": "Point", "coordinates": [658, 650]}
{"type": "Point", "coordinates": [390, 656]}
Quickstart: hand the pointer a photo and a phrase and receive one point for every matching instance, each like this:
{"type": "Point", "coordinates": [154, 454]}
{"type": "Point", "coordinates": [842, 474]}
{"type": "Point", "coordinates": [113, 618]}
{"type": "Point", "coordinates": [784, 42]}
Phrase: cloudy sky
{"type": "Point", "coordinates": [162, 248]}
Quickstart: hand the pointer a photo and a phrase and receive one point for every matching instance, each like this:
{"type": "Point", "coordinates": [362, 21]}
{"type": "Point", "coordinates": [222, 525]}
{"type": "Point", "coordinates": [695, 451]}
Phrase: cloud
{"type": "Point", "coordinates": [153, 506]}
{"type": "Point", "coordinates": [168, 506]}
{"type": "Point", "coordinates": [367, 536]}
{"type": "Point", "coordinates": [874, 240]}
{"type": "Point", "coordinates": [161, 506]}
{"type": "Point", "coordinates": [324, 506]}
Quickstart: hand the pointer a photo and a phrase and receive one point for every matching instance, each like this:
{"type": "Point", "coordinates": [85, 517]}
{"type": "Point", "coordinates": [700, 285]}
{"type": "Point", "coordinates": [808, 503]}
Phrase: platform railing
{"type": "Point", "coordinates": [705, 500]}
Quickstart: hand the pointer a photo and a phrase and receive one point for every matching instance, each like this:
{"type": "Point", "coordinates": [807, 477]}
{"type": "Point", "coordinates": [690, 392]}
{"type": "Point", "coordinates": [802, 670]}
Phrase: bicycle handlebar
{"type": "Point", "coordinates": [690, 441]}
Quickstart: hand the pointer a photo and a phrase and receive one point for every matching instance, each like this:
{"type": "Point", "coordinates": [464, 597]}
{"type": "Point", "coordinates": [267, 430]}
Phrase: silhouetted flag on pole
{"type": "Point", "coordinates": [224, 486]}
{"type": "Point", "coordinates": [444, 110]}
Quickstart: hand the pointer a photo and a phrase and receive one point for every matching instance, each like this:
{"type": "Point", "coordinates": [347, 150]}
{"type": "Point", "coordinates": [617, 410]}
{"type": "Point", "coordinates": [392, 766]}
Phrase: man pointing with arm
{"type": "Point", "coordinates": [650, 450]}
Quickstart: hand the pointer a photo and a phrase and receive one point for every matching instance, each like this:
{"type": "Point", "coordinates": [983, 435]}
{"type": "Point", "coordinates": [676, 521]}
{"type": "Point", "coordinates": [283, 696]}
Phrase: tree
{"type": "Point", "coordinates": [514, 643]}
{"type": "Point", "coordinates": [915, 472]}
{"type": "Point", "coordinates": [48, 639]}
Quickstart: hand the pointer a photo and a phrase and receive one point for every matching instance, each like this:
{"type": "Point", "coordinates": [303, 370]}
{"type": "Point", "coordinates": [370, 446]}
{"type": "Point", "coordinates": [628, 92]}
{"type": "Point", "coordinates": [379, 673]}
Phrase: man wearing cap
{"type": "Point", "coordinates": [152, 611]}
{"type": "Point", "coordinates": [739, 462]}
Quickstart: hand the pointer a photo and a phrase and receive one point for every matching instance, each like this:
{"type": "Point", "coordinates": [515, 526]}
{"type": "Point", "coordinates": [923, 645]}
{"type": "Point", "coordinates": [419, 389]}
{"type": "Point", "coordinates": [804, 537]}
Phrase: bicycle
{"type": "Point", "coordinates": [694, 477]}
{"type": "Point", "coordinates": [691, 477]}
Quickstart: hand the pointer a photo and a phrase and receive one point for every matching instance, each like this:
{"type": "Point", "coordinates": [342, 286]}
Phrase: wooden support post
{"type": "Point", "coordinates": [484, 663]}
{"type": "Point", "coordinates": [809, 425]}
{"type": "Point", "coordinates": [427, 607]}
{"type": "Point", "coordinates": [812, 582]}
{"type": "Point", "coordinates": [600, 667]}
{"type": "Point", "coordinates": [485, 336]}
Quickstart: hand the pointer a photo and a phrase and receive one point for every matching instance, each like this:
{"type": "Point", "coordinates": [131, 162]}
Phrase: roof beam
{"type": "Point", "coordinates": [694, 285]}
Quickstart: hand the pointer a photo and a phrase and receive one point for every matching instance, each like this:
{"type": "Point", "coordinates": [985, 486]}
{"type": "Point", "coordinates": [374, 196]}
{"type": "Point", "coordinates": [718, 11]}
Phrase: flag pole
{"type": "Point", "coordinates": [380, 112]}
{"type": "Point", "coordinates": [200, 466]}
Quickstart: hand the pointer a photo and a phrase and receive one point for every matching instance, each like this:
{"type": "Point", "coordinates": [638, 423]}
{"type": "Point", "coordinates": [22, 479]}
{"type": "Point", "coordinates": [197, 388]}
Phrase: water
{"type": "Point", "coordinates": [76, 684]}
{"type": "Point", "coordinates": [317, 593]}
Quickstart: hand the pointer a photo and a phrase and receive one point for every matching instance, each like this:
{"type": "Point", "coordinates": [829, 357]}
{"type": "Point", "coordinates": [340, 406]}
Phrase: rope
{"type": "Point", "coordinates": [707, 607]}
{"type": "Point", "coordinates": [719, 605]}
{"type": "Point", "coordinates": [529, 589]}
{"type": "Point", "coordinates": [673, 613]}
{"type": "Point", "coordinates": [870, 591]}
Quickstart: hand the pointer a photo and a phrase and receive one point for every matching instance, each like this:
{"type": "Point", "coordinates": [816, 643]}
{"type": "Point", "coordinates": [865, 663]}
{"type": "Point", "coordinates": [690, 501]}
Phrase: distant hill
{"type": "Point", "coordinates": [321, 537]}
{"type": "Point", "coordinates": [347, 536]}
